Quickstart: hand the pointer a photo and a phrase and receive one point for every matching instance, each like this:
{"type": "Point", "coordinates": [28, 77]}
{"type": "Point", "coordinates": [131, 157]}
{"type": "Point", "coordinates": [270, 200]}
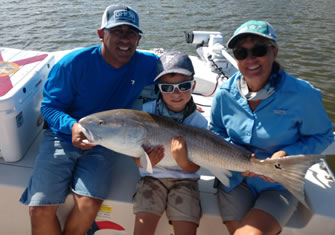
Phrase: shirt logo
{"type": "Point", "coordinates": [132, 82]}
{"type": "Point", "coordinates": [280, 112]}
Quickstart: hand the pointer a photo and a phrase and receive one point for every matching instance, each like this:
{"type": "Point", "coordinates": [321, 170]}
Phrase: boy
{"type": "Point", "coordinates": [174, 189]}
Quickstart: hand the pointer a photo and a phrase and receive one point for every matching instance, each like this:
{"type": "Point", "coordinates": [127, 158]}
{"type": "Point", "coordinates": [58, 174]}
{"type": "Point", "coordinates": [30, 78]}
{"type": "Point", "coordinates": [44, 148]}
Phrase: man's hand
{"type": "Point", "coordinates": [78, 138]}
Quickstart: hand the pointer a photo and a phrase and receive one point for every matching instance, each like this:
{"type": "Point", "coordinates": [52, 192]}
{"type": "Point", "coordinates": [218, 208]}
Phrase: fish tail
{"type": "Point", "coordinates": [289, 172]}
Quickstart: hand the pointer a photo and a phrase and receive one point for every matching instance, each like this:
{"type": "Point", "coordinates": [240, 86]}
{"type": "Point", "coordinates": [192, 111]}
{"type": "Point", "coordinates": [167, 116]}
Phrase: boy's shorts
{"type": "Point", "coordinates": [235, 204]}
{"type": "Point", "coordinates": [179, 197]}
{"type": "Point", "coordinates": [61, 167]}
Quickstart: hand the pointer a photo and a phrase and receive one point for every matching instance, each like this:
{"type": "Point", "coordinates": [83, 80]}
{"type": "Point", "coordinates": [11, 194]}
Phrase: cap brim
{"type": "Point", "coordinates": [179, 71]}
{"type": "Point", "coordinates": [232, 41]}
{"type": "Point", "coordinates": [122, 23]}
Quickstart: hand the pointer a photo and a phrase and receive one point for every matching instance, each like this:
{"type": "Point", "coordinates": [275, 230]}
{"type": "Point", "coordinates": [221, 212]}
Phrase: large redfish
{"type": "Point", "coordinates": [127, 131]}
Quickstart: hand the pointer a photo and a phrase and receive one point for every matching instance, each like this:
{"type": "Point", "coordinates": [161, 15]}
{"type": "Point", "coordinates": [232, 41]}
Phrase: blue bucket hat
{"type": "Point", "coordinates": [174, 62]}
{"type": "Point", "coordinates": [116, 15]}
{"type": "Point", "coordinates": [260, 28]}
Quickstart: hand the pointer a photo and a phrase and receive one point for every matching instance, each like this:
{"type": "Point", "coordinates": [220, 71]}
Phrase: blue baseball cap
{"type": "Point", "coordinates": [260, 28]}
{"type": "Point", "coordinates": [174, 62]}
{"type": "Point", "coordinates": [116, 15]}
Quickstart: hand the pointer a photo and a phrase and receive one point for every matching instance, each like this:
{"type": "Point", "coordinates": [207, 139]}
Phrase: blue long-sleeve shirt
{"type": "Point", "coordinates": [82, 83]}
{"type": "Point", "coordinates": [293, 119]}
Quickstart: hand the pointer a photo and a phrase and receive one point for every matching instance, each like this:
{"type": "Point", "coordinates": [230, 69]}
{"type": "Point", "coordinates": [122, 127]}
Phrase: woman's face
{"type": "Point", "coordinates": [256, 69]}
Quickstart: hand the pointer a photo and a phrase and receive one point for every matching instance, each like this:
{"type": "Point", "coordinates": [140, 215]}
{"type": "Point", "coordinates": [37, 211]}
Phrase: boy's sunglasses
{"type": "Point", "coordinates": [182, 87]}
{"type": "Point", "coordinates": [257, 51]}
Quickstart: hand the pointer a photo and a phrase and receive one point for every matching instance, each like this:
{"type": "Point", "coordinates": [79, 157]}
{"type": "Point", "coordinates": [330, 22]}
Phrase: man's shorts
{"type": "Point", "coordinates": [61, 167]}
{"type": "Point", "coordinates": [179, 197]}
{"type": "Point", "coordinates": [235, 204]}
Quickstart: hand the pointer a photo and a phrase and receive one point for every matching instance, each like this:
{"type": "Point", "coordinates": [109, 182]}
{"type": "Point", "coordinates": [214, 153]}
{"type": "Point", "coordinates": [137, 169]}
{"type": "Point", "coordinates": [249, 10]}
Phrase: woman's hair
{"type": "Point", "coordinates": [254, 38]}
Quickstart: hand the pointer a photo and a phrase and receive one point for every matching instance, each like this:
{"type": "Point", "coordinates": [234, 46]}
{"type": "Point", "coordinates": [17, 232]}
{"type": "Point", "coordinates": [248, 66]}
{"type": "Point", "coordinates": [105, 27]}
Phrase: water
{"type": "Point", "coordinates": [305, 29]}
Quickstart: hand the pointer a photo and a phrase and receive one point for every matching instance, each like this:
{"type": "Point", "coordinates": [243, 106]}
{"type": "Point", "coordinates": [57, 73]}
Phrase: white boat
{"type": "Point", "coordinates": [22, 74]}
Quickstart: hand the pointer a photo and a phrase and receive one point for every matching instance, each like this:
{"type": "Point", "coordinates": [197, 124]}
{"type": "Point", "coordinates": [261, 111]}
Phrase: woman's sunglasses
{"type": "Point", "coordinates": [257, 51]}
{"type": "Point", "coordinates": [182, 87]}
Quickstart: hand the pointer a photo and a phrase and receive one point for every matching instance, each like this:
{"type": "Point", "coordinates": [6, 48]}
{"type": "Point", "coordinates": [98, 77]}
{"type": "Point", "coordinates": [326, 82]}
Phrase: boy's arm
{"type": "Point", "coordinates": [137, 162]}
{"type": "Point", "coordinates": [179, 153]}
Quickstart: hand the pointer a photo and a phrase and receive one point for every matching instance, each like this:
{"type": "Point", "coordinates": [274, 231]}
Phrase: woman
{"type": "Point", "coordinates": [272, 114]}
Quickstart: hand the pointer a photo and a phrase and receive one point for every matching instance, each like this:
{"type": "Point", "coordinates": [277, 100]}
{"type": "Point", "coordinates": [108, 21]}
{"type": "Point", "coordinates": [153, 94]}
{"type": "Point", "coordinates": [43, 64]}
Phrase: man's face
{"type": "Point", "coordinates": [119, 44]}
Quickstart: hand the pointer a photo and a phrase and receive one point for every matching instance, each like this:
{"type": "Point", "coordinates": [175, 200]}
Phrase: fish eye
{"type": "Point", "coordinates": [101, 122]}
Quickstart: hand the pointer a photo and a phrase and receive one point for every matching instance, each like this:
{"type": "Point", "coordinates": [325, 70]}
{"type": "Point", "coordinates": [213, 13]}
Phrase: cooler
{"type": "Point", "coordinates": [22, 75]}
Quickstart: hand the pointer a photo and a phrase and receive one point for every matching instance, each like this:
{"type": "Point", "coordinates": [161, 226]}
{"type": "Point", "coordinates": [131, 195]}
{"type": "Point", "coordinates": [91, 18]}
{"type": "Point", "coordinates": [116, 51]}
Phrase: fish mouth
{"type": "Point", "coordinates": [88, 134]}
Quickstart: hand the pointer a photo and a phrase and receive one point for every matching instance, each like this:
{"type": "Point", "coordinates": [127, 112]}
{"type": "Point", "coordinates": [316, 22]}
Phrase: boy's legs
{"type": "Point", "coordinates": [183, 204]}
{"type": "Point", "coordinates": [145, 223]}
{"type": "Point", "coordinates": [184, 228]}
{"type": "Point", "coordinates": [149, 204]}
{"type": "Point", "coordinates": [184, 209]}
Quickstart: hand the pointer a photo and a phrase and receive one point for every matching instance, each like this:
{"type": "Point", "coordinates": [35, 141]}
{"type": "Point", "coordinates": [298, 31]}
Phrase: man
{"type": "Point", "coordinates": [85, 81]}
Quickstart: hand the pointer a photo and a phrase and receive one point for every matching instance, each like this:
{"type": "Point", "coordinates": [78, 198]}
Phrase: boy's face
{"type": "Point", "coordinates": [176, 101]}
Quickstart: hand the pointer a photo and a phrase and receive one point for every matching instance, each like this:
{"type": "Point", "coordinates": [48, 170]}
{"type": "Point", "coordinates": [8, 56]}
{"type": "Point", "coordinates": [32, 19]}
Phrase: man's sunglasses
{"type": "Point", "coordinates": [182, 87]}
{"type": "Point", "coordinates": [257, 51]}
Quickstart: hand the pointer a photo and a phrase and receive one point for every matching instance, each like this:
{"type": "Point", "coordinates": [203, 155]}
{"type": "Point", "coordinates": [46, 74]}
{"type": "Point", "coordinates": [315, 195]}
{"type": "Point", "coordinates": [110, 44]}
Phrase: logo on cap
{"type": "Point", "coordinates": [252, 28]}
{"type": "Point", "coordinates": [125, 15]}
{"type": "Point", "coordinates": [169, 59]}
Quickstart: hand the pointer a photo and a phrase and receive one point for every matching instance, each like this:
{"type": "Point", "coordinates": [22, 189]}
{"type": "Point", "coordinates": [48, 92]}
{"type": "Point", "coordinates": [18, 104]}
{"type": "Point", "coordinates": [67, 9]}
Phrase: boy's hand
{"type": "Point", "coordinates": [155, 153]}
{"type": "Point", "coordinates": [179, 153]}
{"type": "Point", "coordinates": [179, 149]}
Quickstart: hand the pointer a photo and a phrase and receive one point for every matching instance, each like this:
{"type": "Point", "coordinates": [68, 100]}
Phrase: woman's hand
{"type": "Point", "coordinates": [276, 155]}
{"type": "Point", "coordinates": [279, 154]}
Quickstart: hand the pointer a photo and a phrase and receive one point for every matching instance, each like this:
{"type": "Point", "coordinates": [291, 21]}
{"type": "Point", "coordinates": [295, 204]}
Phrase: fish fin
{"type": "Point", "coordinates": [145, 162]}
{"type": "Point", "coordinates": [290, 172]}
{"type": "Point", "coordinates": [222, 174]}
{"type": "Point", "coordinates": [161, 167]}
